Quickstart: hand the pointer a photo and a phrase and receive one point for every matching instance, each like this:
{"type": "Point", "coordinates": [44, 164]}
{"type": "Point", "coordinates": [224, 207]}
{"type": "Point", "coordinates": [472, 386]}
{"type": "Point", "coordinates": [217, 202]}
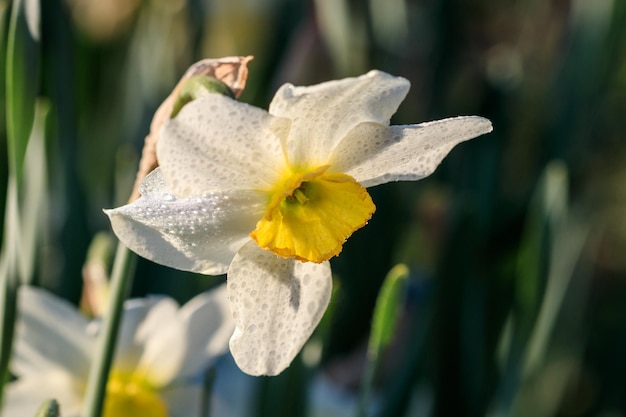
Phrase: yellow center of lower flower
{"type": "Point", "coordinates": [129, 396]}
{"type": "Point", "coordinates": [310, 214]}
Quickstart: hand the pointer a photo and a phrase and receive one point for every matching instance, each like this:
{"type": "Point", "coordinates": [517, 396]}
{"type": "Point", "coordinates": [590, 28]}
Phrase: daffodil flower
{"type": "Point", "coordinates": [161, 353]}
{"type": "Point", "coordinates": [270, 197]}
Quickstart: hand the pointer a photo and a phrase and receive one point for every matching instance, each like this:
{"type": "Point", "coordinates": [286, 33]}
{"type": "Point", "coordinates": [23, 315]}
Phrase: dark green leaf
{"type": "Point", "coordinates": [22, 79]}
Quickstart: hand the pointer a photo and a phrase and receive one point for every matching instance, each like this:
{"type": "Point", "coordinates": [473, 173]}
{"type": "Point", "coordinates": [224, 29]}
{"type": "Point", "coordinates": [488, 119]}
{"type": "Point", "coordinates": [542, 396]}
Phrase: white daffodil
{"type": "Point", "coordinates": [270, 197]}
{"type": "Point", "coordinates": [161, 354]}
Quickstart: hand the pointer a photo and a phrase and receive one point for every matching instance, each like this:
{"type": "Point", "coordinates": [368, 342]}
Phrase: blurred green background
{"type": "Point", "coordinates": [516, 300]}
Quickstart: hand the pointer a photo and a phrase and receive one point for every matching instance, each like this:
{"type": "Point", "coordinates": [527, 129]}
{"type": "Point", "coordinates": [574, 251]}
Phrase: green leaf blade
{"type": "Point", "coordinates": [22, 76]}
{"type": "Point", "coordinates": [387, 309]}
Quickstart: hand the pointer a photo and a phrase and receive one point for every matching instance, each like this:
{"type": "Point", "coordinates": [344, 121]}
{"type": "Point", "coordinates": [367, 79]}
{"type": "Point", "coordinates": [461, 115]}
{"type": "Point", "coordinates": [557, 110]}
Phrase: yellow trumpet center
{"type": "Point", "coordinates": [311, 214]}
{"type": "Point", "coordinates": [129, 396]}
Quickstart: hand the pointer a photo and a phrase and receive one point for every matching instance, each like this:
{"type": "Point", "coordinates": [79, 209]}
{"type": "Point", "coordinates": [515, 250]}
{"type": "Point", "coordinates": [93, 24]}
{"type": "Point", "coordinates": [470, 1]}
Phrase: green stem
{"type": "Point", "coordinates": [121, 278]}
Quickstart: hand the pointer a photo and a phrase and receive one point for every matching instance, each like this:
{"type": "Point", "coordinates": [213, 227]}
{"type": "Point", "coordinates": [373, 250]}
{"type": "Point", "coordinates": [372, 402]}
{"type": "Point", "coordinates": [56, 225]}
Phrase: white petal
{"type": "Point", "coordinates": [208, 323]}
{"type": "Point", "coordinates": [199, 233]}
{"type": "Point", "coordinates": [24, 396]}
{"type": "Point", "coordinates": [374, 154]}
{"type": "Point", "coordinates": [323, 114]}
{"type": "Point", "coordinates": [138, 319]}
{"type": "Point", "coordinates": [163, 343]}
{"type": "Point", "coordinates": [187, 343]}
{"type": "Point", "coordinates": [163, 312]}
{"type": "Point", "coordinates": [50, 335]}
{"type": "Point", "coordinates": [217, 144]}
{"type": "Point", "coordinates": [276, 303]}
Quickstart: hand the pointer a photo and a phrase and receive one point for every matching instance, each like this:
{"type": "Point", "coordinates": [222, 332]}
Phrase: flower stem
{"type": "Point", "coordinates": [121, 278]}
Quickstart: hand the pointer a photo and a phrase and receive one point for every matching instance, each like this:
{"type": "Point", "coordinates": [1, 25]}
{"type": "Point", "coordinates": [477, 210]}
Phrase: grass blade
{"type": "Point", "coordinates": [386, 313]}
{"type": "Point", "coordinates": [22, 75]}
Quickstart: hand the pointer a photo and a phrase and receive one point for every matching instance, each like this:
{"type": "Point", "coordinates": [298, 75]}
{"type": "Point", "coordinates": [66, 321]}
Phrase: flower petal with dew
{"type": "Point", "coordinates": [202, 233]}
{"type": "Point", "coordinates": [160, 352]}
{"type": "Point", "coordinates": [282, 304]}
{"type": "Point", "coordinates": [286, 188]}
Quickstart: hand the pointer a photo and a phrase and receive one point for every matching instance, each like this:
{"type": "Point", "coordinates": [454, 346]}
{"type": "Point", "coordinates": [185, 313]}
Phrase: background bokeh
{"type": "Point", "coordinates": [516, 302]}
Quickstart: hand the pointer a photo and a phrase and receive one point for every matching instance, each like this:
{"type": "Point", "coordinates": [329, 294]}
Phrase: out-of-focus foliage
{"type": "Point", "coordinates": [516, 301]}
{"type": "Point", "coordinates": [49, 408]}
